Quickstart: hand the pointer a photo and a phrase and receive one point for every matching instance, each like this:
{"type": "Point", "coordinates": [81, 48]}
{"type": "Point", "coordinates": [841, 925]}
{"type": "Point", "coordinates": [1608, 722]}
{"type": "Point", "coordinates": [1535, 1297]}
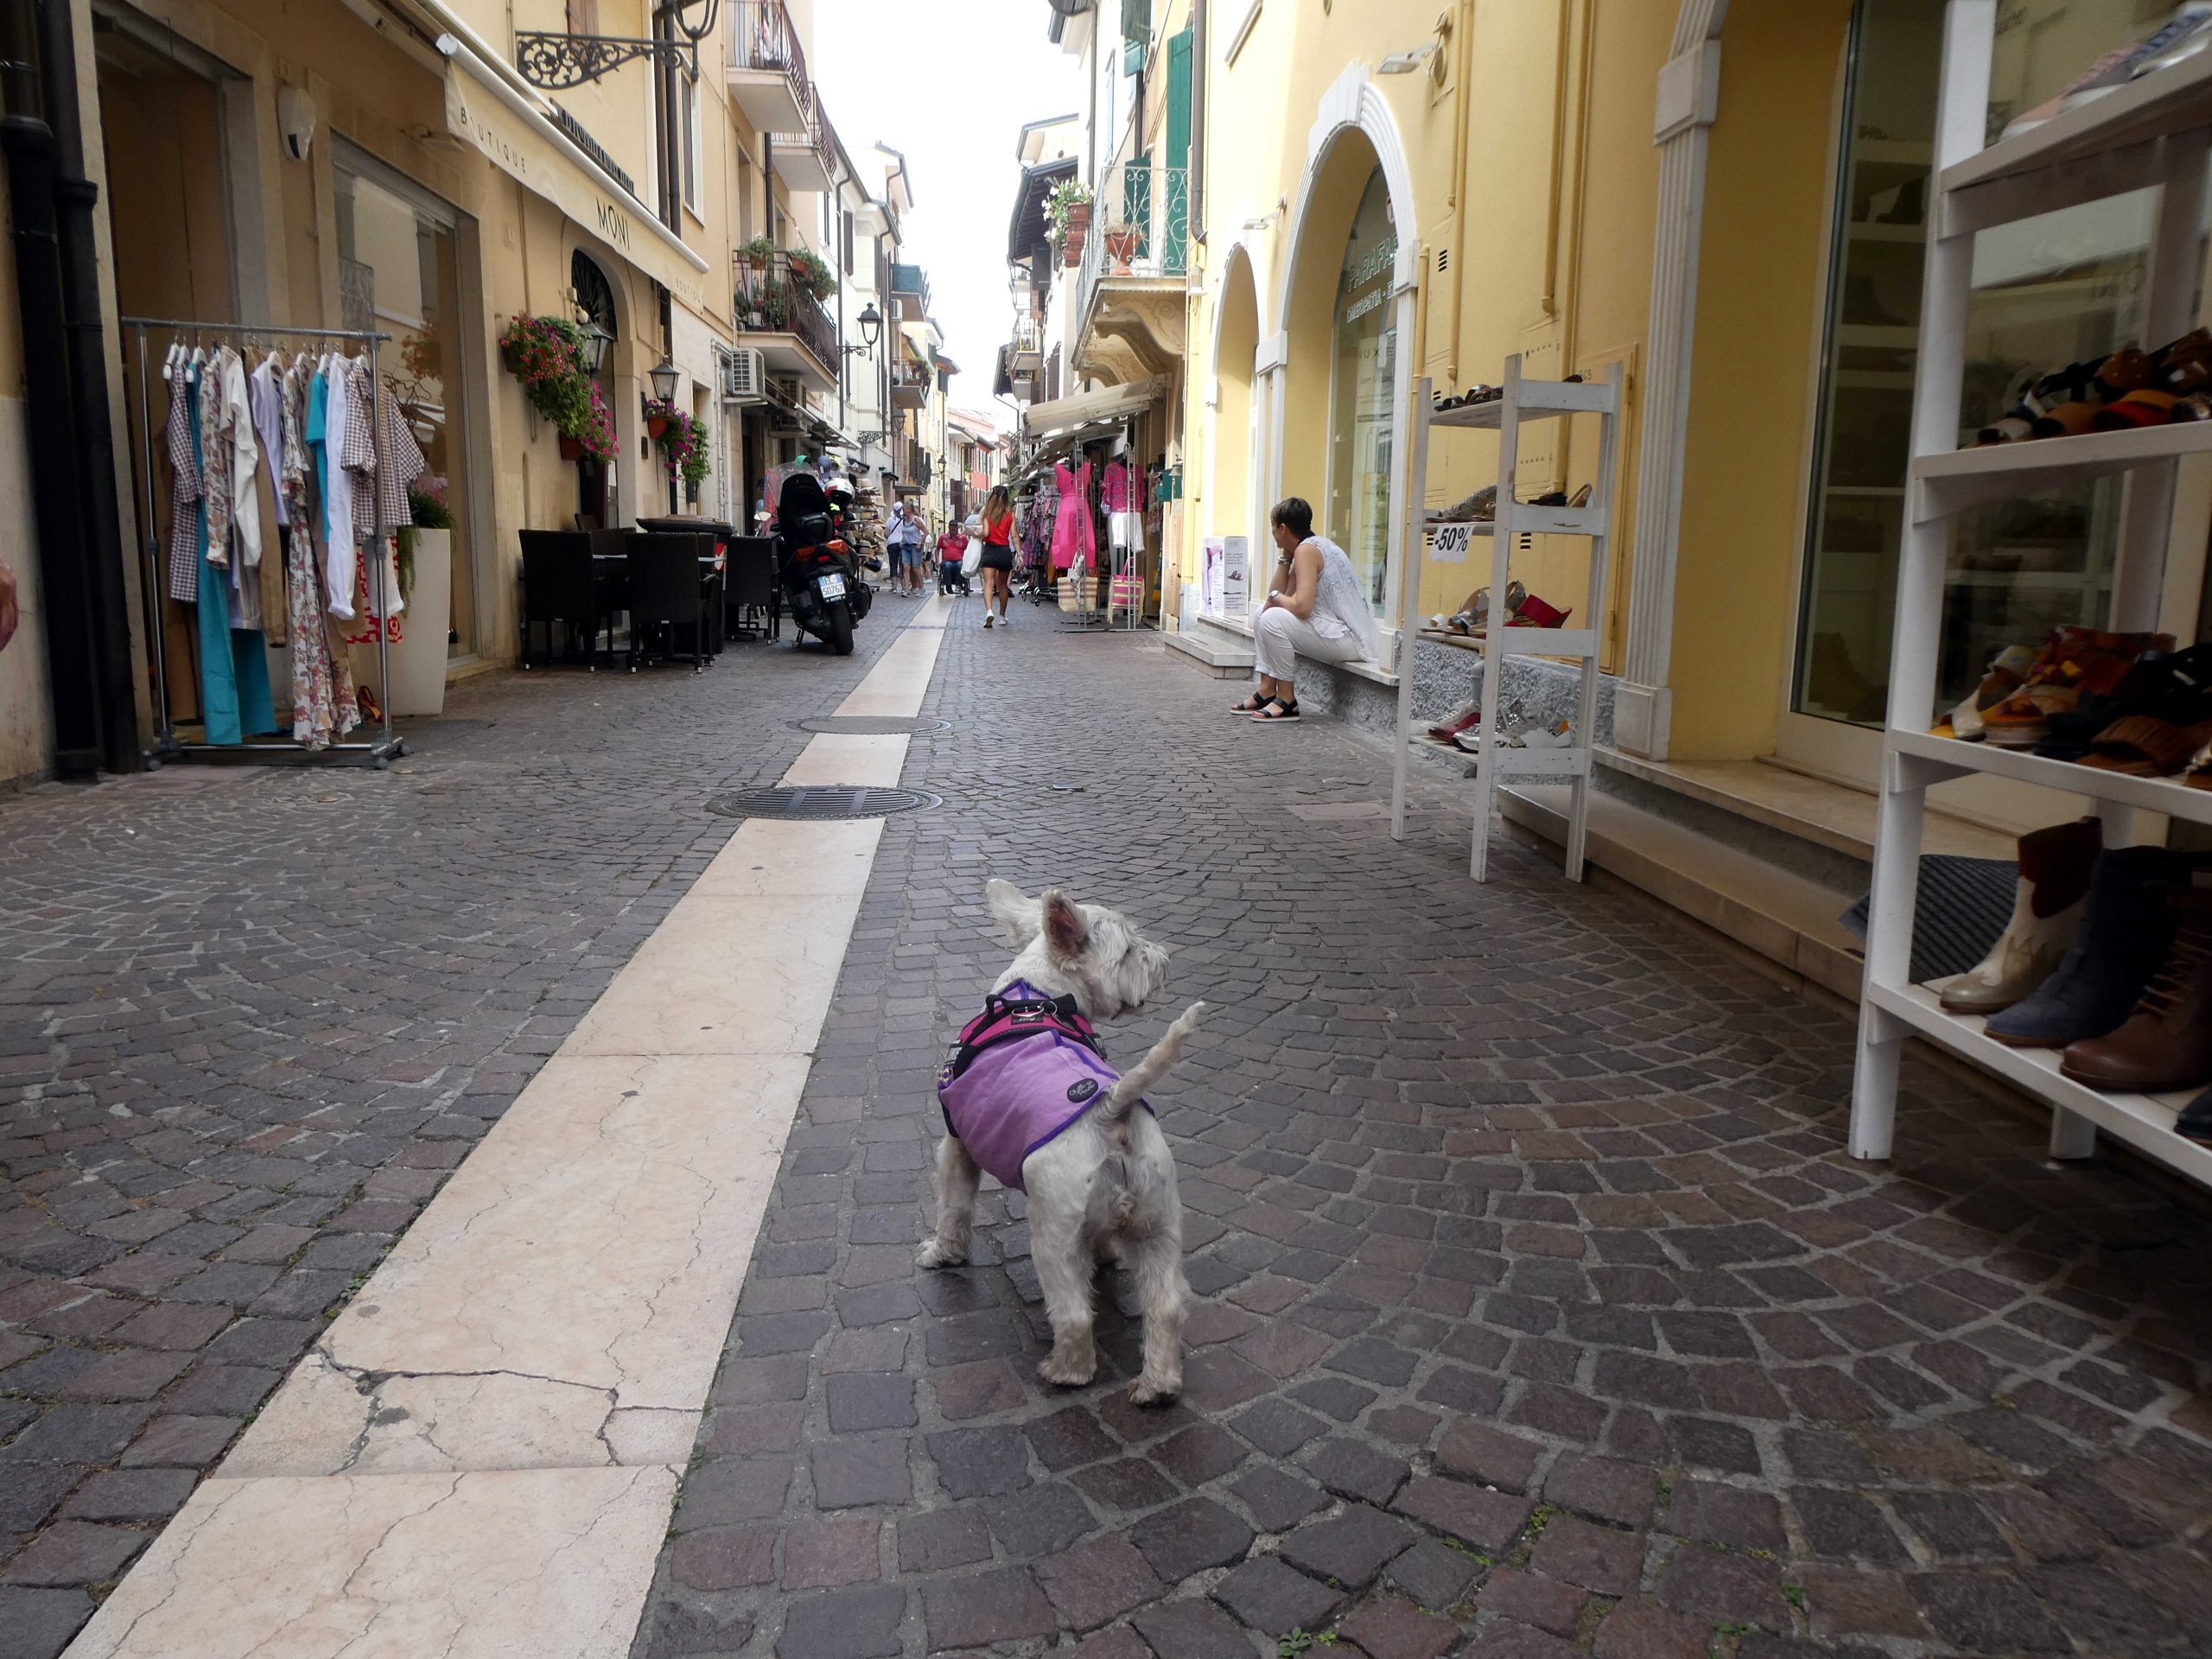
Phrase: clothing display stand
{"type": "Point", "coordinates": [1523, 400]}
{"type": "Point", "coordinates": [265, 750]}
{"type": "Point", "coordinates": [2150, 132]}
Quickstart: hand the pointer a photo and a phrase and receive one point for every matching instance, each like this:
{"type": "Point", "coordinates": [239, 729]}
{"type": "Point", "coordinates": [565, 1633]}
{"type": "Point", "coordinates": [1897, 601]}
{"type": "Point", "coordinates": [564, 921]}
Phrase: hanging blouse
{"type": "Point", "coordinates": [1122, 488]}
{"type": "Point", "coordinates": [245, 461]}
{"type": "Point", "coordinates": [264, 392]}
{"type": "Point", "coordinates": [358, 454]}
{"type": "Point", "coordinates": [185, 547]}
{"type": "Point", "coordinates": [403, 463]}
{"type": "Point", "coordinates": [217, 461]}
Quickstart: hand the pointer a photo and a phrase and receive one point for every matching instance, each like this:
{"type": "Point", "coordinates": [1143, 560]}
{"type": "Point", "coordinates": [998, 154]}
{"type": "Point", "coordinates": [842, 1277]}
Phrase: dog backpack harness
{"type": "Point", "coordinates": [1022, 1071]}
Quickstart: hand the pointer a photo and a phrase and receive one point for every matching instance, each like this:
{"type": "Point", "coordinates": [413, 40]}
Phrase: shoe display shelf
{"type": "Point", "coordinates": [2152, 133]}
{"type": "Point", "coordinates": [1521, 400]}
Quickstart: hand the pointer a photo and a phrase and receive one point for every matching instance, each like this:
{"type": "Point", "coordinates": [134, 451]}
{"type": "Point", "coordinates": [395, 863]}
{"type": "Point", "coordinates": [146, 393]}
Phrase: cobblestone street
{"type": "Point", "coordinates": [250, 1020]}
{"type": "Point", "coordinates": [1538, 1309]}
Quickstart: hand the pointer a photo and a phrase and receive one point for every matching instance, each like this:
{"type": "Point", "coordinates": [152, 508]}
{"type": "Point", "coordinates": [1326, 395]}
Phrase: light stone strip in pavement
{"type": "Point", "coordinates": [480, 1456]}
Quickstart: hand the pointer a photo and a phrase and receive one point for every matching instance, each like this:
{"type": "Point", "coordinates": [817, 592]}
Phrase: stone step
{"type": "Point", "coordinates": [1225, 656]}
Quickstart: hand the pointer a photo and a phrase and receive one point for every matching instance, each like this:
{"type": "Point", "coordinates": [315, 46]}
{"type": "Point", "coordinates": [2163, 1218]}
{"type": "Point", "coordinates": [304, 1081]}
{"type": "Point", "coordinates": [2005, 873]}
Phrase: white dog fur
{"type": "Point", "coordinates": [1106, 1186]}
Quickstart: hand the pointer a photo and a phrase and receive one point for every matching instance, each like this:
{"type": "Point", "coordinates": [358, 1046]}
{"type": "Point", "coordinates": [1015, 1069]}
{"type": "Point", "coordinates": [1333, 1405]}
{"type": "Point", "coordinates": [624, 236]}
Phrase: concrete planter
{"type": "Point", "coordinates": [418, 661]}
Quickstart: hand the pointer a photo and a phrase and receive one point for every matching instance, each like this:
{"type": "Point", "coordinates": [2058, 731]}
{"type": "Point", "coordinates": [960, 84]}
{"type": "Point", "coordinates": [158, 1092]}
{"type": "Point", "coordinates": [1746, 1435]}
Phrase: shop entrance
{"type": "Point", "coordinates": [168, 111]}
{"type": "Point", "coordinates": [399, 272]}
{"type": "Point", "coordinates": [595, 300]}
{"type": "Point", "coordinates": [1364, 330]}
{"type": "Point", "coordinates": [2048, 291]}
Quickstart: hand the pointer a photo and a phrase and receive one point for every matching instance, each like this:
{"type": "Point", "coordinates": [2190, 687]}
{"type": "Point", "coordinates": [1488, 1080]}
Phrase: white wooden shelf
{"type": "Point", "coordinates": [2152, 132]}
{"type": "Point", "coordinates": [1526, 642]}
{"type": "Point", "coordinates": [1955, 479]}
{"type": "Point", "coordinates": [2173, 100]}
{"type": "Point", "coordinates": [1519, 400]}
{"type": "Point", "coordinates": [2167, 795]}
{"type": "Point", "coordinates": [2143, 1121]}
{"type": "Point", "coordinates": [1541, 400]}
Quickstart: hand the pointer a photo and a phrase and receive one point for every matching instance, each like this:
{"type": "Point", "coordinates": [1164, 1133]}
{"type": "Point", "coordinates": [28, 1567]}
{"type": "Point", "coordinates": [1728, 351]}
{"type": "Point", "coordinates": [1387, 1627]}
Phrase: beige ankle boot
{"type": "Point", "coordinates": [2055, 867]}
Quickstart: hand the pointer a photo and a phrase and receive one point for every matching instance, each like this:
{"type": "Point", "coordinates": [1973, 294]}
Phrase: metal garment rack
{"type": "Point", "coordinates": [1519, 400]}
{"type": "Point", "coordinates": [2149, 133]}
{"type": "Point", "coordinates": [264, 751]}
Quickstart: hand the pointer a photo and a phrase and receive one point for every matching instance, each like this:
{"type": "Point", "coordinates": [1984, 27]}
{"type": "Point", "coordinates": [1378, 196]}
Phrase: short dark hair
{"type": "Point", "coordinates": [1293, 514]}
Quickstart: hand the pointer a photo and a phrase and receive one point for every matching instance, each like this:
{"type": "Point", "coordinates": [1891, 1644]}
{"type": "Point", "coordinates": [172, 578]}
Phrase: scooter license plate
{"type": "Point", "coordinates": [831, 585]}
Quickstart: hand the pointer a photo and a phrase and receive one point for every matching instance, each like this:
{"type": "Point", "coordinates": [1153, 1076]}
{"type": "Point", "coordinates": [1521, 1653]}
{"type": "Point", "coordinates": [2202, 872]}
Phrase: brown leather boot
{"type": "Point", "coordinates": [2167, 1042]}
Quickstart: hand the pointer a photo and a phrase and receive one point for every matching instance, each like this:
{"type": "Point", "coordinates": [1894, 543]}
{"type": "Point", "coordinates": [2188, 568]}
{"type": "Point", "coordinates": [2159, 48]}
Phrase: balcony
{"type": "Point", "coordinates": [769, 82]}
{"type": "Point", "coordinates": [910, 289]}
{"type": "Point", "coordinates": [1135, 265]}
{"type": "Point", "coordinates": [910, 385]}
{"type": "Point", "coordinates": [778, 314]}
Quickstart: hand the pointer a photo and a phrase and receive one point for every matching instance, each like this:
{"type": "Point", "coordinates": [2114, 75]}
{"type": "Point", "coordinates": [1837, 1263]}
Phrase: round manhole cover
{"type": "Point", "coordinates": [871, 724]}
{"type": "Point", "coordinates": [821, 802]}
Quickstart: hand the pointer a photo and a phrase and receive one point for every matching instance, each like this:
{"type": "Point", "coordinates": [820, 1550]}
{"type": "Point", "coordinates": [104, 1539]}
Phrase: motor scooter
{"type": "Point", "coordinates": [820, 578]}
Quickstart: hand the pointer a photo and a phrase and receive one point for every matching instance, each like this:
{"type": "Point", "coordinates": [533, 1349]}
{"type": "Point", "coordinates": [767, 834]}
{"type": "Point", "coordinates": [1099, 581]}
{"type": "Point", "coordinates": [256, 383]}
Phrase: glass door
{"type": "Point", "coordinates": [2047, 292]}
{"type": "Point", "coordinates": [1357, 513]}
{"type": "Point", "coordinates": [400, 271]}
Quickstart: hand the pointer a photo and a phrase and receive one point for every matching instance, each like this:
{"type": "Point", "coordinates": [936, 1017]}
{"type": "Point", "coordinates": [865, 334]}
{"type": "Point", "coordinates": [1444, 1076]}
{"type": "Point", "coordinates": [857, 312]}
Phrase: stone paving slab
{"type": "Point", "coordinates": [252, 1020]}
{"type": "Point", "coordinates": [1540, 1311]}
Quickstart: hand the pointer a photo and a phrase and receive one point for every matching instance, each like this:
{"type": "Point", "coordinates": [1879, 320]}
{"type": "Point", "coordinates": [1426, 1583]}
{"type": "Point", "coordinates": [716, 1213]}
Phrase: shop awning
{"type": "Point", "coordinates": [517, 137]}
{"type": "Point", "coordinates": [1064, 417]}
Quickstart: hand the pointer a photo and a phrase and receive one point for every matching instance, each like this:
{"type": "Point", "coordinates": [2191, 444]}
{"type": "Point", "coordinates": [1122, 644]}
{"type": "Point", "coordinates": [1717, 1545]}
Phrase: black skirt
{"type": "Point", "coordinates": [997, 556]}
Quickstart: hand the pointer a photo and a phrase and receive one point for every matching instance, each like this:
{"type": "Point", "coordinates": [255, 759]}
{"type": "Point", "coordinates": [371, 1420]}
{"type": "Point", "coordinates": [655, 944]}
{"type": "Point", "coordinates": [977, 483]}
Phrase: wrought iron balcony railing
{"type": "Point", "coordinates": [770, 81]}
{"type": "Point", "coordinates": [773, 298]}
{"type": "Point", "coordinates": [1140, 226]}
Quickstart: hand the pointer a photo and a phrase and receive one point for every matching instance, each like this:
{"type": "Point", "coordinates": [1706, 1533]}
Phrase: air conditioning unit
{"type": "Point", "coordinates": [786, 390]}
{"type": "Point", "coordinates": [744, 376]}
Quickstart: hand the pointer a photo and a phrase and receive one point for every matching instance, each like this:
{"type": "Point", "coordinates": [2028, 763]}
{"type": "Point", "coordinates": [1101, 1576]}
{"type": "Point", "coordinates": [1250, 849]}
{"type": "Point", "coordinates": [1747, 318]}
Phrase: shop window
{"type": "Point", "coordinates": [594, 302]}
{"type": "Point", "coordinates": [399, 264]}
{"type": "Point", "coordinates": [2048, 291]}
{"type": "Point", "coordinates": [1357, 511]}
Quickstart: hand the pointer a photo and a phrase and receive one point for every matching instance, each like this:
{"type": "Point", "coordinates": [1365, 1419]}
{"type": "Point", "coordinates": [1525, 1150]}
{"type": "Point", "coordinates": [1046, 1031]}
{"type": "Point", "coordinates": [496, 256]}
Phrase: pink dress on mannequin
{"type": "Point", "coordinates": [1072, 537]}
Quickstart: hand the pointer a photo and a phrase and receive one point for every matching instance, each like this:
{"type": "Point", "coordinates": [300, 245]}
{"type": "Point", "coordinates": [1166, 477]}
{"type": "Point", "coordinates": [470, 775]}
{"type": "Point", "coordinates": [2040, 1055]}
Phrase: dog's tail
{"type": "Point", "coordinates": [1140, 1079]}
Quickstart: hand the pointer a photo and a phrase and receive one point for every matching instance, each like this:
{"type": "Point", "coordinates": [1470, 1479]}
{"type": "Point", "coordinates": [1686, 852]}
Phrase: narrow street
{"type": "Point", "coordinates": [1539, 1309]}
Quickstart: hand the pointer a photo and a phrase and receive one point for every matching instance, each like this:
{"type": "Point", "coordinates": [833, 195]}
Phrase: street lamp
{"type": "Point", "coordinates": [871, 322]}
{"type": "Point", "coordinates": [664, 375]}
{"type": "Point", "coordinates": [596, 340]}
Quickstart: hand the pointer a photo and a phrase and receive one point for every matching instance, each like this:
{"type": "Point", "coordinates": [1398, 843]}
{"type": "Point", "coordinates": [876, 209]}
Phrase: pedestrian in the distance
{"type": "Point", "coordinates": [997, 566]}
{"type": "Point", "coordinates": [907, 548]}
{"type": "Point", "coordinates": [951, 549]}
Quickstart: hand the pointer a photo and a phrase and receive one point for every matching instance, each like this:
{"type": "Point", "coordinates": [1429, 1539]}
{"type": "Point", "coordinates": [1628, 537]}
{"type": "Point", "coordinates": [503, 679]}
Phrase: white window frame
{"type": "Point", "coordinates": [688, 107]}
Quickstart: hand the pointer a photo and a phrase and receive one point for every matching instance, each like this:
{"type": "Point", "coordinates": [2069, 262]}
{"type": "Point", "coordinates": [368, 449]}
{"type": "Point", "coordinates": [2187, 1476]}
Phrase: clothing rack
{"type": "Point", "coordinates": [263, 750]}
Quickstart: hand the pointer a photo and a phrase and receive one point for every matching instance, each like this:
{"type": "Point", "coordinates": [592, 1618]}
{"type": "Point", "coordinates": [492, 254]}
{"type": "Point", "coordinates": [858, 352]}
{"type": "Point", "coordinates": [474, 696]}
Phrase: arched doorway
{"type": "Point", "coordinates": [1232, 509]}
{"type": "Point", "coordinates": [595, 300]}
{"type": "Point", "coordinates": [1343, 382]}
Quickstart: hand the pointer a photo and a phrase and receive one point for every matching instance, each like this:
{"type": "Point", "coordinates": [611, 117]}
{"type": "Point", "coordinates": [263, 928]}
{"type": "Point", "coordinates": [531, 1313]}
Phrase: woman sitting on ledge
{"type": "Point", "coordinates": [1315, 608]}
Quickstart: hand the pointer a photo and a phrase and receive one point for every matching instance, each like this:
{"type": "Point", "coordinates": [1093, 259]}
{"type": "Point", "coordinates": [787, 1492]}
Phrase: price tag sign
{"type": "Point", "coordinates": [1451, 544]}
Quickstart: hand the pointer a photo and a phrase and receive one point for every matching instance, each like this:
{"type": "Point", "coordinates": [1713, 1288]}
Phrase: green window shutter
{"type": "Point", "coordinates": [1136, 21]}
{"type": "Point", "coordinates": [1175, 179]}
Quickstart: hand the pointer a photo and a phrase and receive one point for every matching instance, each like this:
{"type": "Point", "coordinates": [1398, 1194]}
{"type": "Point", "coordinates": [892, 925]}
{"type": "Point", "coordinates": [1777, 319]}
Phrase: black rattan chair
{"type": "Point", "coordinates": [558, 588]}
{"type": "Point", "coordinates": [667, 595]}
{"type": "Point", "coordinates": [754, 600]}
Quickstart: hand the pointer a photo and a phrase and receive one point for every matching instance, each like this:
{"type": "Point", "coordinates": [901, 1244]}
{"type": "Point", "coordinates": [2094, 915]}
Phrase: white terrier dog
{"type": "Point", "coordinates": [1044, 1113]}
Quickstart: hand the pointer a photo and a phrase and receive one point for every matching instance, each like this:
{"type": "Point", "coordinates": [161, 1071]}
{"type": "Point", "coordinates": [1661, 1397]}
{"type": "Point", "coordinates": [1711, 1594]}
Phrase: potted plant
{"type": "Point", "coordinates": [546, 354]}
{"type": "Point", "coordinates": [757, 252]}
{"type": "Point", "coordinates": [813, 273]}
{"type": "Point", "coordinates": [1068, 211]}
{"type": "Point", "coordinates": [683, 449]}
{"type": "Point", "coordinates": [1122, 246]}
{"type": "Point", "coordinates": [658, 415]}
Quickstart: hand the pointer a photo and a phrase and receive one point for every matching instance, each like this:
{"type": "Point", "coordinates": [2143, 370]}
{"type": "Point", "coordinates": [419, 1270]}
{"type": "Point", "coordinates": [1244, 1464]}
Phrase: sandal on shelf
{"type": "Point", "coordinates": [1534, 613]}
{"type": "Point", "coordinates": [2143, 745]}
{"type": "Point", "coordinates": [1278, 709]}
{"type": "Point", "coordinates": [1251, 705]}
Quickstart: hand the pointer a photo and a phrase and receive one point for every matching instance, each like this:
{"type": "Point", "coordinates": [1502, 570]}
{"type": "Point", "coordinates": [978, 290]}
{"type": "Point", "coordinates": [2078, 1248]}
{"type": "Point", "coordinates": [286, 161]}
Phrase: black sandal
{"type": "Point", "coordinates": [1251, 705]}
{"type": "Point", "coordinates": [1278, 709]}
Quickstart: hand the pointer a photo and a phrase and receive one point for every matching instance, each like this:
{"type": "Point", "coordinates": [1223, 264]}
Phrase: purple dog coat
{"type": "Point", "coordinates": [1023, 1070]}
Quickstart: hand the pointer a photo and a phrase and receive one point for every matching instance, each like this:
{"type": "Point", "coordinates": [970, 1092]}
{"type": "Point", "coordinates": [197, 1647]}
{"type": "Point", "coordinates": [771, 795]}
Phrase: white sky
{"type": "Point", "coordinates": [951, 83]}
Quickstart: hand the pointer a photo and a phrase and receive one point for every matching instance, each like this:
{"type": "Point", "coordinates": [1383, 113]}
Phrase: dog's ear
{"type": "Point", "coordinates": [1065, 931]}
{"type": "Point", "coordinates": [1017, 914]}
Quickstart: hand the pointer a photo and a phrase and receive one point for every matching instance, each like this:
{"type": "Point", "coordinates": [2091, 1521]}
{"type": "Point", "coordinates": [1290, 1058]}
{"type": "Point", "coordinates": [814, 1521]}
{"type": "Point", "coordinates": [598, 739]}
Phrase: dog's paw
{"type": "Point", "coordinates": [1149, 1391]}
{"type": "Point", "coordinates": [938, 1254]}
{"type": "Point", "coordinates": [1067, 1371]}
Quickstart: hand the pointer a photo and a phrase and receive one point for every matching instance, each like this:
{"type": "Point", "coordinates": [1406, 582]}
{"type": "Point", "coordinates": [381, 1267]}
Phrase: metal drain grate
{"type": "Point", "coordinates": [822, 803]}
{"type": "Point", "coordinates": [871, 724]}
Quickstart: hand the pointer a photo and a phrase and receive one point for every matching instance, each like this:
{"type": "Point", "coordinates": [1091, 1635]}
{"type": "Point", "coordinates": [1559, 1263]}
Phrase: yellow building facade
{"type": "Point", "coordinates": [1715, 196]}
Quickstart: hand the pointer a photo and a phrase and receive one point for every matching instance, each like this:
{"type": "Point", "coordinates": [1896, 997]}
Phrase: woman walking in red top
{"type": "Point", "coordinates": [998, 553]}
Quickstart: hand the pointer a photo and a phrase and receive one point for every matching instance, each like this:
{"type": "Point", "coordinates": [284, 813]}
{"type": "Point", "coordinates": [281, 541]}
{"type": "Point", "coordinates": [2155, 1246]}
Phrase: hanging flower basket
{"type": "Point", "coordinates": [546, 354]}
{"type": "Point", "coordinates": [655, 425]}
{"type": "Point", "coordinates": [683, 444]}
{"type": "Point", "coordinates": [571, 448]}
